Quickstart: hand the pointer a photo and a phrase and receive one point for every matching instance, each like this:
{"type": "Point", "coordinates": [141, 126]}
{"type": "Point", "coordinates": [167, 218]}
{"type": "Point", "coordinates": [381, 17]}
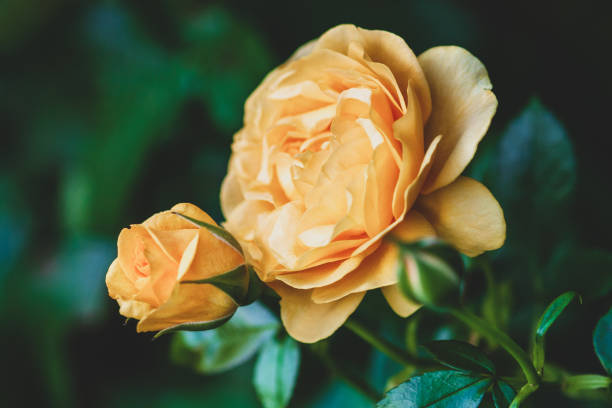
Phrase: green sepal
{"type": "Point", "coordinates": [550, 315]}
{"type": "Point", "coordinates": [460, 355]}
{"type": "Point", "coordinates": [194, 326]}
{"type": "Point", "coordinates": [583, 382]}
{"type": "Point", "coordinates": [241, 284]}
{"type": "Point", "coordinates": [218, 232]}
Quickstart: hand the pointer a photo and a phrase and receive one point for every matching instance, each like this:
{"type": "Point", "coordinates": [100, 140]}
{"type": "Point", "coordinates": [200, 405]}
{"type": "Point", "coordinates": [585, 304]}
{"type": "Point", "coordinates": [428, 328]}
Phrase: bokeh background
{"type": "Point", "coordinates": [111, 111]}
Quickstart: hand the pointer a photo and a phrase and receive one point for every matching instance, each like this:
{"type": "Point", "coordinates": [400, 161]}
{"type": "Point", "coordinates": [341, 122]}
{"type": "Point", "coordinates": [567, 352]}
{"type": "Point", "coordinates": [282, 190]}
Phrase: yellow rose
{"type": "Point", "coordinates": [155, 256]}
{"type": "Point", "coordinates": [352, 138]}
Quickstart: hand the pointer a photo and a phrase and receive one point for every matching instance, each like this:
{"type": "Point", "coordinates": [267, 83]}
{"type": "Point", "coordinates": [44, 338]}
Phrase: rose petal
{"type": "Point", "coordinates": [119, 286]}
{"type": "Point", "coordinates": [465, 214]}
{"type": "Point", "coordinates": [380, 268]}
{"type": "Point", "coordinates": [398, 302]}
{"type": "Point", "coordinates": [384, 47]}
{"type": "Point", "coordinates": [309, 322]}
{"type": "Point", "coordinates": [463, 106]}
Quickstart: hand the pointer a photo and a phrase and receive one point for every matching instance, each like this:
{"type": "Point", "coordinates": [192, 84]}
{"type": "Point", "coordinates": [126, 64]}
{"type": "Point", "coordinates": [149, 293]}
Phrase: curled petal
{"type": "Point", "coordinates": [463, 106]}
{"type": "Point", "coordinates": [465, 214]}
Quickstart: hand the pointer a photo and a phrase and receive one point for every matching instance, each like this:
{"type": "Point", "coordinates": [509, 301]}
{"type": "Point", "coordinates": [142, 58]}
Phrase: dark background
{"type": "Point", "coordinates": [111, 111]}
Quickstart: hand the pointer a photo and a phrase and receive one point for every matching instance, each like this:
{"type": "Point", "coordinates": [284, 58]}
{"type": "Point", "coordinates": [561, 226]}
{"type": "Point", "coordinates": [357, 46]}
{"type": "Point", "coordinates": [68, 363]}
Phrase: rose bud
{"type": "Point", "coordinates": [431, 273]}
{"type": "Point", "coordinates": [156, 256]}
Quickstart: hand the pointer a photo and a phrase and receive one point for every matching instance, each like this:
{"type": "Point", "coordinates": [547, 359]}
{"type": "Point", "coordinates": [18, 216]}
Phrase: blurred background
{"type": "Point", "coordinates": [111, 111]}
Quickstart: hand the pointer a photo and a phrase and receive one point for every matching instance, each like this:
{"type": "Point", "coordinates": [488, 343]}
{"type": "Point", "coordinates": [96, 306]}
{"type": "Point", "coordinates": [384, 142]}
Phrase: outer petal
{"type": "Point", "coordinates": [309, 322]}
{"type": "Point", "coordinates": [384, 47]}
{"type": "Point", "coordinates": [378, 269]}
{"type": "Point", "coordinates": [463, 106]}
{"type": "Point", "coordinates": [398, 302]}
{"type": "Point", "coordinates": [205, 256]}
{"type": "Point", "coordinates": [467, 215]}
{"type": "Point", "coordinates": [167, 221]}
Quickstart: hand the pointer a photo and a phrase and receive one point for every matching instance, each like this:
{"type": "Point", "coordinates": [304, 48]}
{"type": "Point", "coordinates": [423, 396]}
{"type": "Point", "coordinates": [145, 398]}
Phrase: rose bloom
{"type": "Point", "coordinates": [156, 256]}
{"type": "Point", "coordinates": [352, 139]}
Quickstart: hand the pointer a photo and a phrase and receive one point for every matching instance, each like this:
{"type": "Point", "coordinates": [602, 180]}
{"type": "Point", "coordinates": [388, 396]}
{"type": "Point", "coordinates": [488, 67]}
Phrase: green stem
{"type": "Point", "coordinates": [492, 333]}
{"type": "Point", "coordinates": [392, 351]}
{"type": "Point", "coordinates": [357, 383]}
{"type": "Point", "coordinates": [523, 393]}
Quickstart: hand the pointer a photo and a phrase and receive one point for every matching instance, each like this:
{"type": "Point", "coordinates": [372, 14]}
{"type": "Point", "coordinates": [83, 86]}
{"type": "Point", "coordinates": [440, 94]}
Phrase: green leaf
{"type": "Point", "coordinates": [242, 284]}
{"type": "Point", "coordinates": [535, 163]}
{"type": "Point", "coordinates": [218, 232]}
{"type": "Point", "coordinates": [550, 315]}
{"type": "Point", "coordinates": [276, 370]}
{"type": "Point", "coordinates": [602, 341]}
{"type": "Point", "coordinates": [503, 394]}
{"type": "Point", "coordinates": [194, 326]}
{"type": "Point", "coordinates": [460, 356]}
{"type": "Point", "coordinates": [232, 344]}
{"type": "Point", "coordinates": [439, 389]}
{"type": "Point", "coordinates": [430, 273]}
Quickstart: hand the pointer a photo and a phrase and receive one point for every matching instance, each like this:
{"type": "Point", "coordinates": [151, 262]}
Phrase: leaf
{"type": "Point", "coordinates": [550, 315]}
{"type": "Point", "coordinates": [460, 356]}
{"type": "Point", "coordinates": [439, 389]}
{"type": "Point", "coordinates": [503, 394]}
{"type": "Point", "coordinates": [276, 371]}
{"type": "Point", "coordinates": [602, 341]}
{"type": "Point", "coordinates": [194, 326]}
{"type": "Point", "coordinates": [232, 344]}
{"type": "Point", "coordinates": [218, 232]}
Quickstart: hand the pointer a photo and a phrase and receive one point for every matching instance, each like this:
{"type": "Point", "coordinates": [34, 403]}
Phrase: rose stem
{"type": "Point", "coordinates": [495, 335]}
{"type": "Point", "coordinates": [392, 351]}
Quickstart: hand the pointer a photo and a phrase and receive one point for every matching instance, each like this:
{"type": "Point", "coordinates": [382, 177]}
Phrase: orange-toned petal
{"type": "Point", "coordinates": [133, 308]}
{"type": "Point", "coordinates": [212, 257]}
{"type": "Point", "coordinates": [384, 47]}
{"type": "Point", "coordinates": [465, 214]}
{"type": "Point", "coordinates": [380, 183]}
{"type": "Point", "coordinates": [410, 195]}
{"type": "Point", "coordinates": [463, 106]}
{"type": "Point", "coordinates": [321, 275]}
{"type": "Point", "coordinates": [414, 227]}
{"type": "Point", "coordinates": [188, 303]}
{"type": "Point", "coordinates": [309, 322]}
{"type": "Point", "coordinates": [378, 269]}
{"type": "Point", "coordinates": [119, 285]}
{"type": "Point", "coordinates": [398, 302]}
{"type": "Point", "coordinates": [409, 131]}
{"type": "Point", "coordinates": [167, 221]}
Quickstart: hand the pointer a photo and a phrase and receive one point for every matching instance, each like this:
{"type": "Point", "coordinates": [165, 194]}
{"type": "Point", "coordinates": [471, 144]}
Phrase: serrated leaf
{"type": "Point", "coordinates": [232, 344]}
{"type": "Point", "coordinates": [218, 232]}
{"type": "Point", "coordinates": [602, 341]}
{"type": "Point", "coordinates": [276, 371]}
{"type": "Point", "coordinates": [550, 315]}
{"type": "Point", "coordinates": [241, 284]}
{"type": "Point", "coordinates": [460, 356]}
{"type": "Point", "coordinates": [194, 326]}
{"type": "Point", "coordinates": [438, 389]}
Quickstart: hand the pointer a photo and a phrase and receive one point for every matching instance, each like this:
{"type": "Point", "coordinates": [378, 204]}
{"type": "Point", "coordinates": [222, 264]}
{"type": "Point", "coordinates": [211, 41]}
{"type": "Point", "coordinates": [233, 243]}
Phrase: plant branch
{"type": "Point", "coordinates": [392, 351]}
{"type": "Point", "coordinates": [492, 333]}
